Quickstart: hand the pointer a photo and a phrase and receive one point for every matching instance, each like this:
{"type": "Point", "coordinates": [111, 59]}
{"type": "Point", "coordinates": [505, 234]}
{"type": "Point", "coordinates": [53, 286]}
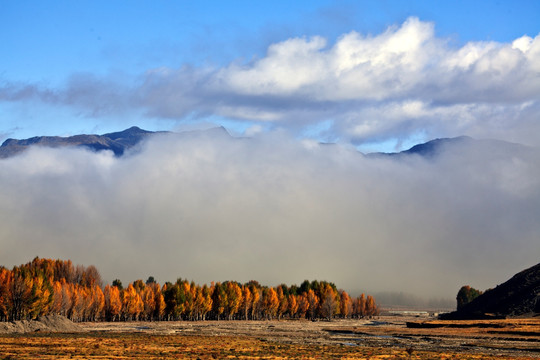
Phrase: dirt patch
{"type": "Point", "coordinates": [50, 323]}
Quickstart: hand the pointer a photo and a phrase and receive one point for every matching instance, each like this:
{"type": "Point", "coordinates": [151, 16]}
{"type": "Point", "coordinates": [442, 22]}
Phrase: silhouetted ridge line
{"type": "Point", "coordinates": [519, 296]}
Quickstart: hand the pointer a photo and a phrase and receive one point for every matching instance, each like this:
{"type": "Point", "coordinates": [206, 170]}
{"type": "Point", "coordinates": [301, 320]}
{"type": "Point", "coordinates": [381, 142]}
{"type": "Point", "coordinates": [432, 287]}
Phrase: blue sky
{"type": "Point", "coordinates": [100, 66]}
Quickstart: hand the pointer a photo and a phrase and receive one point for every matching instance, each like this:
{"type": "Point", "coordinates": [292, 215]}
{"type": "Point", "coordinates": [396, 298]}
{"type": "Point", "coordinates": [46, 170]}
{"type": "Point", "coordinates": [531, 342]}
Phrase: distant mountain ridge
{"type": "Point", "coordinates": [433, 148]}
{"type": "Point", "coordinates": [428, 149]}
{"type": "Point", "coordinates": [117, 142]}
{"type": "Point", "coordinates": [121, 141]}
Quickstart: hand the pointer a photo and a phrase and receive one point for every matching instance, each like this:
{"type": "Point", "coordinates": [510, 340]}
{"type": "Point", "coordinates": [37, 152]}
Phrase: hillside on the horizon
{"type": "Point", "coordinates": [117, 142]}
{"type": "Point", "coordinates": [436, 147]}
{"type": "Point", "coordinates": [519, 296]}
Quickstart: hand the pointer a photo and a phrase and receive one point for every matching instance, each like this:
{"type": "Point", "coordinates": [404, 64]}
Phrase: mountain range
{"type": "Point", "coordinates": [434, 148]}
{"type": "Point", "coordinates": [120, 142]}
{"type": "Point", "coordinates": [117, 142]}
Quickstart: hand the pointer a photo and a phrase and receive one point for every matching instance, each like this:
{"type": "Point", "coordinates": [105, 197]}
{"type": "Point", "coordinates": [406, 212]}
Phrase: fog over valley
{"type": "Point", "coordinates": [391, 148]}
{"type": "Point", "coordinates": [210, 207]}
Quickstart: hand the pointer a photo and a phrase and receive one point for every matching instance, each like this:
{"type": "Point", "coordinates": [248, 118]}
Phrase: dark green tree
{"type": "Point", "coordinates": [465, 295]}
{"type": "Point", "coordinates": [304, 287]}
{"type": "Point", "coordinates": [118, 284]}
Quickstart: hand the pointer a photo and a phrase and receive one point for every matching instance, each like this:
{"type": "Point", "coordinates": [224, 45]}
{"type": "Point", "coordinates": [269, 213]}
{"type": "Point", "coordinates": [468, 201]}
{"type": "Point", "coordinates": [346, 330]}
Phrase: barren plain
{"type": "Point", "coordinates": [384, 337]}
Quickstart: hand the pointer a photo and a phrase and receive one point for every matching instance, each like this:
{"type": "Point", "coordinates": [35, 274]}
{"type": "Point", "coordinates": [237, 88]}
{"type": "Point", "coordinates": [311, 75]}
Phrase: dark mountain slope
{"type": "Point", "coordinates": [519, 296]}
{"type": "Point", "coordinates": [117, 142]}
{"type": "Point", "coordinates": [434, 147]}
{"type": "Point", "coordinates": [458, 145]}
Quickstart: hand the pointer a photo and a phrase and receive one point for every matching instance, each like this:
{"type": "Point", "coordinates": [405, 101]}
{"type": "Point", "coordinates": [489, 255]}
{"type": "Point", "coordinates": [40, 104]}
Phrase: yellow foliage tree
{"type": "Point", "coordinates": [113, 302]}
{"type": "Point", "coordinates": [42, 297]}
{"type": "Point", "coordinates": [313, 302]}
{"type": "Point", "coordinates": [234, 298]}
{"type": "Point", "coordinates": [303, 305]}
{"type": "Point", "coordinates": [6, 278]}
{"type": "Point", "coordinates": [66, 297]}
{"type": "Point", "coordinates": [292, 305]}
{"type": "Point", "coordinates": [359, 306]}
{"type": "Point", "coordinates": [159, 310]}
{"type": "Point", "coordinates": [208, 301]}
{"type": "Point", "coordinates": [371, 307]}
{"type": "Point", "coordinates": [270, 303]}
{"type": "Point", "coordinates": [132, 305]}
{"type": "Point", "coordinates": [256, 294]}
{"type": "Point", "coordinates": [97, 303]}
{"type": "Point", "coordinates": [247, 300]}
{"type": "Point", "coordinates": [282, 300]}
{"type": "Point", "coordinates": [149, 299]}
{"type": "Point", "coordinates": [21, 294]}
{"type": "Point", "coordinates": [345, 304]}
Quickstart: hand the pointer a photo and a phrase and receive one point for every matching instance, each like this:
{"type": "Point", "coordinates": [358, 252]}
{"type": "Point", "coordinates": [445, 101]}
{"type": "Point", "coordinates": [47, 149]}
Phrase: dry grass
{"type": "Point", "coordinates": [384, 338]}
{"type": "Point", "coordinates": [504, 337]}
{"type": "Point", "coordinates": [144, 346]}
{"type": "Point", "coordinates": [508, 328]}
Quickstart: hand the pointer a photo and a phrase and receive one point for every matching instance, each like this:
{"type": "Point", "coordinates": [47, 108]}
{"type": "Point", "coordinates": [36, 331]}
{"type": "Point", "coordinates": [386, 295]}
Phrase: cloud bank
{"type": "Point", "coordinates": [210, 207]}
{"type": "Point", "coordinates": [362, 88]}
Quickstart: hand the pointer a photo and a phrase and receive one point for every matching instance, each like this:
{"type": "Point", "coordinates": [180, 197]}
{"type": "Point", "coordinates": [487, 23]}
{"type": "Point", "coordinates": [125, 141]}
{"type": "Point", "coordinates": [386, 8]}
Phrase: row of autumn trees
{"type": "Point", "coordinates": [44, 287]}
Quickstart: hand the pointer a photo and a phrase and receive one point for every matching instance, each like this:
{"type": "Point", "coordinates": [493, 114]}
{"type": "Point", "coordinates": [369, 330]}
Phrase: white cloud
{"type": "Point", "coordinates": [356, 67]}
{"type": "Point", "coordinates": [288, 67]}
{"type": "Point", "coordinates": [405, 80]}
{"type": "Point", "coordinates": [400, 63]}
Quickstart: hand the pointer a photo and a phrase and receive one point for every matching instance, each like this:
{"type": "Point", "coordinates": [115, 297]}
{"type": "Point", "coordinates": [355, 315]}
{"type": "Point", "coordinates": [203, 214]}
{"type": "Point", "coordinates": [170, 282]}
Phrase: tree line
{"type": "Point", "coordinates": [44, 286]}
